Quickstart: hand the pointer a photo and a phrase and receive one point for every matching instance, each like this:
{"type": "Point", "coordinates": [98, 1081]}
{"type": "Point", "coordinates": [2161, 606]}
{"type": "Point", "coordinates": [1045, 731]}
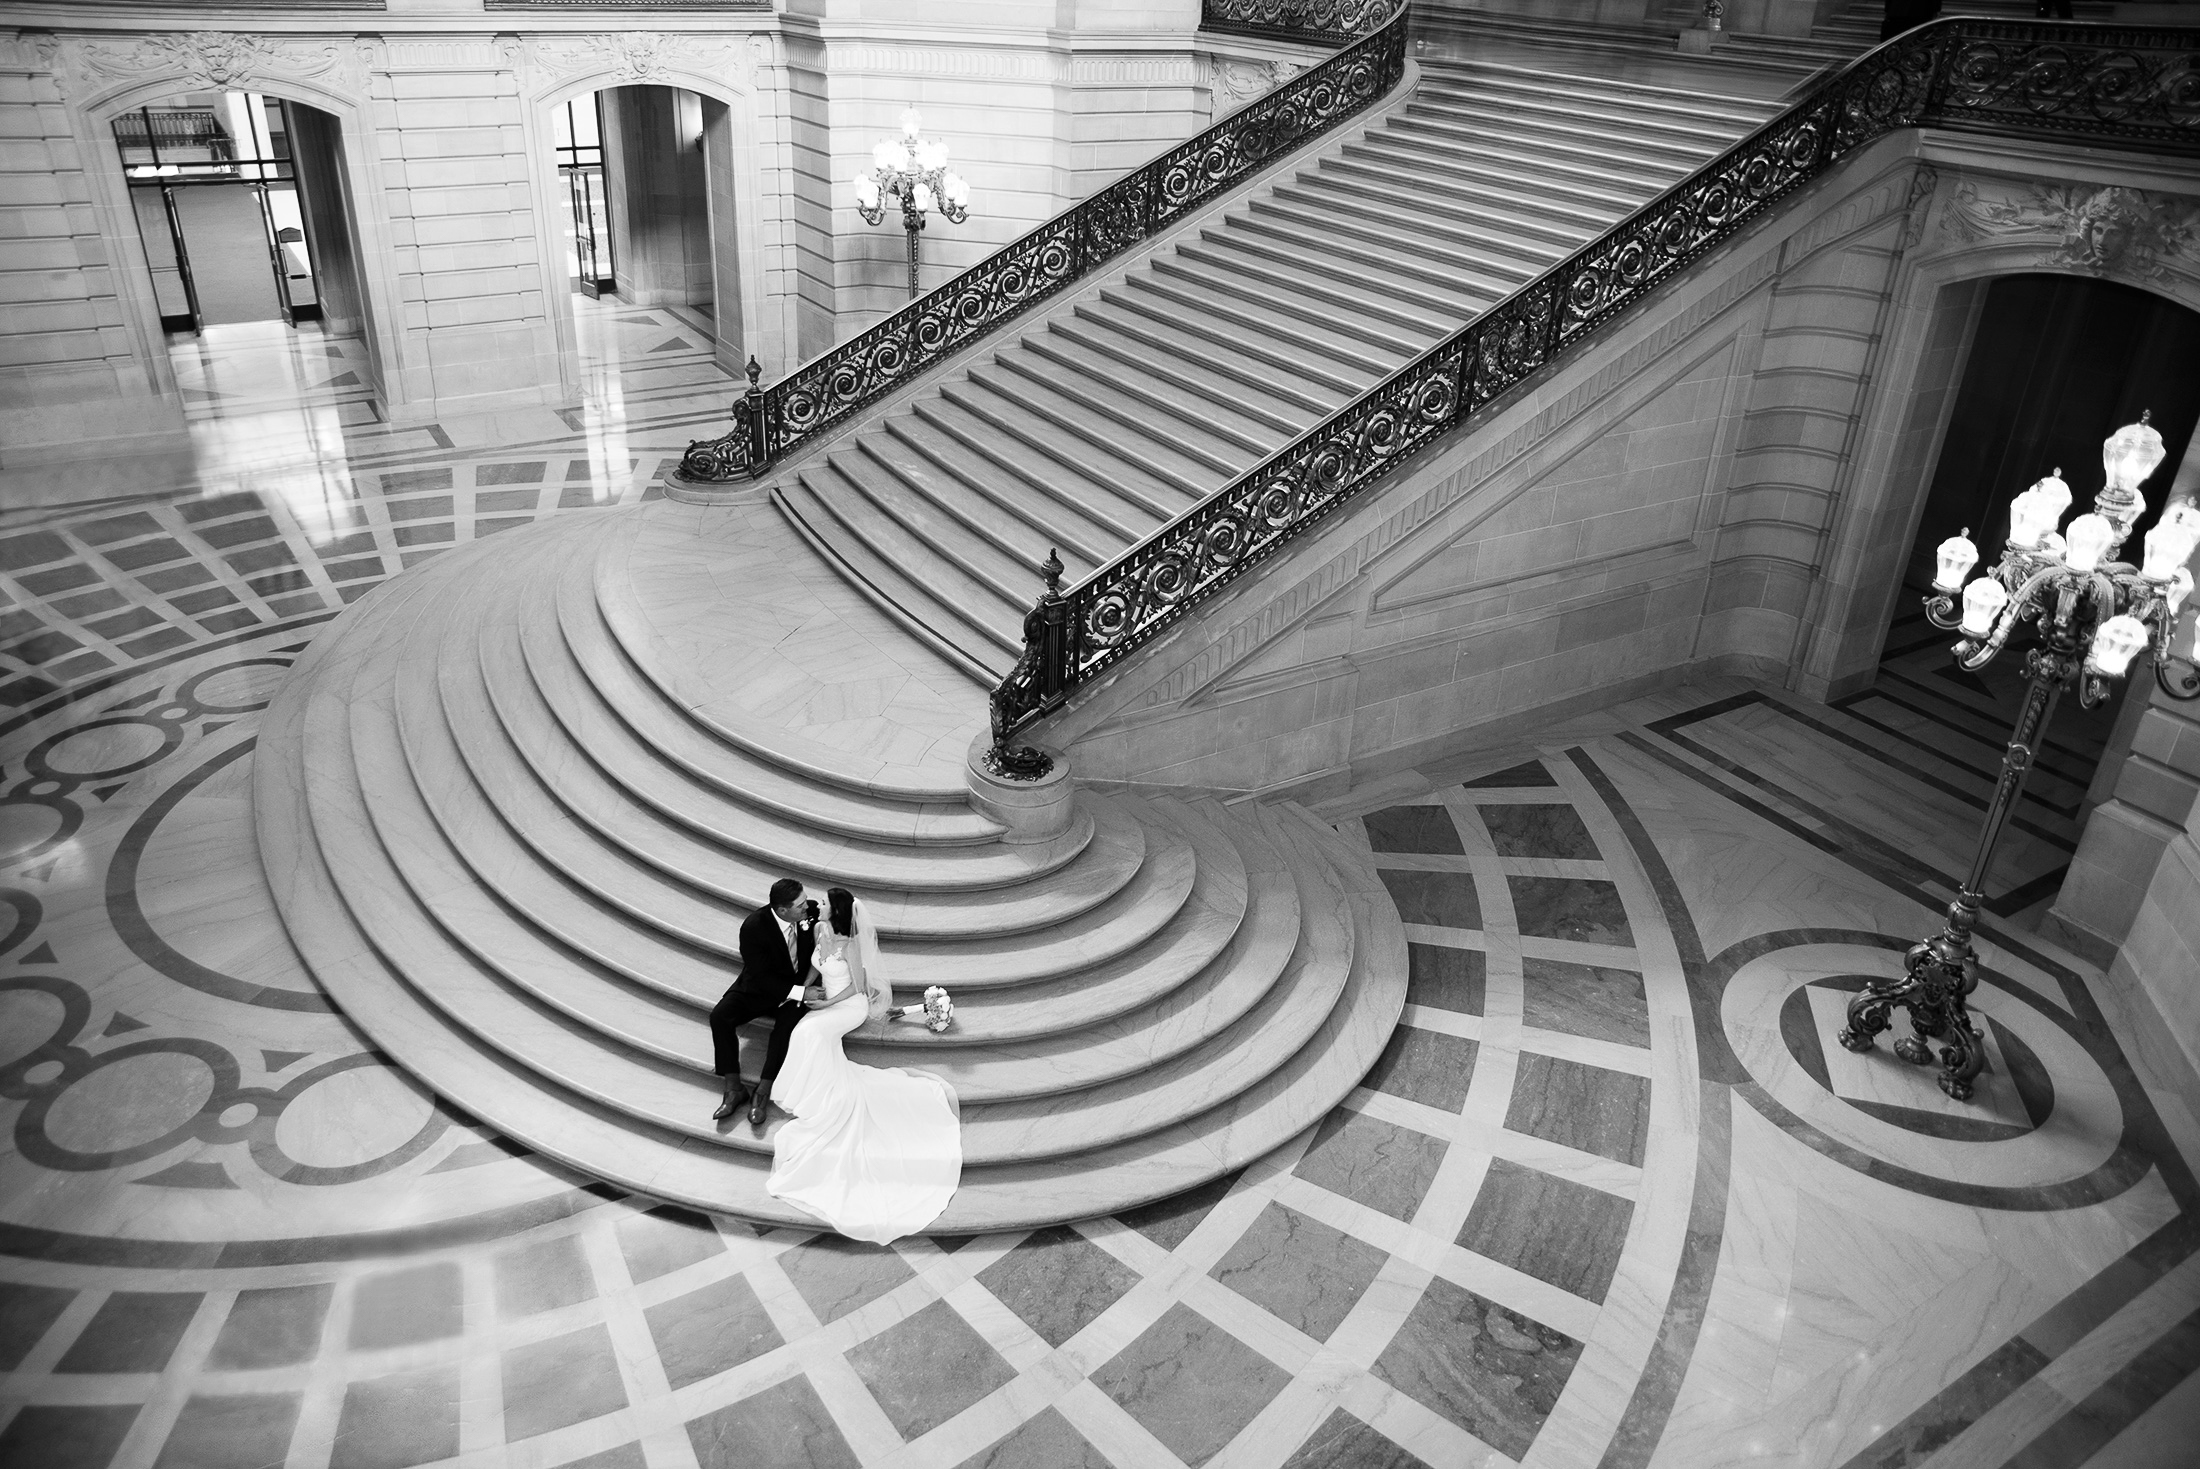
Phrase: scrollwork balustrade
{"type": "Point", "coordinates": [2136, 87]}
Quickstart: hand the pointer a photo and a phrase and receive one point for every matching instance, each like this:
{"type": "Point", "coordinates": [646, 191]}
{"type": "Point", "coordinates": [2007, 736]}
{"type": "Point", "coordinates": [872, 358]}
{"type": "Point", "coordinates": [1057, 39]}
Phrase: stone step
{"type": "Point", "coordinates": [1599, 94]}
{"type": "Point", "coordinates": [1348, 345]}
{"type": "Point", "coordinates": [634, 543]}
{"type": "Point", "coordinates": [694, 759]}
{"type": "Point", "coordinates": [1559, 116]}
{"type": "Point", "coordinates": [1449, 250]}
{"type": "Point", "coordinates": [1242, 271]}
{"type": "Point", "coordinates": [1505, 202]}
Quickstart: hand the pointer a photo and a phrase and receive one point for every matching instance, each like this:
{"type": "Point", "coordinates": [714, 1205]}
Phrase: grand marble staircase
{"type": "Point", "coordinates": [1088, 431]}
{"type": "Point", "coordinates": [515, 850]}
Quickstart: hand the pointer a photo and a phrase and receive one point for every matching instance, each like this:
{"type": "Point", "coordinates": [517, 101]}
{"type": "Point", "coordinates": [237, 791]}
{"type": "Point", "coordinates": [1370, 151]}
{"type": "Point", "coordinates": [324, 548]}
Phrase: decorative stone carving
{"type": "Point", "coordinates": [640, 56]}
{"type": "Point", "coordinates": [2105, 231]}
{"type": "Point", "coordinates": [1238, 82]}
{"type": "Point", "coordinates": [210, 60]}
{"type": "Point", "coordinates": [1919, 206]}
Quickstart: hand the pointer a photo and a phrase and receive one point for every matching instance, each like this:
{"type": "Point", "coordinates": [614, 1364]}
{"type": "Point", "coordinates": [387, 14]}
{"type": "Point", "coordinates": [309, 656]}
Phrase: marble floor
{"type": "Point", "coordinates": [1610, 1198]}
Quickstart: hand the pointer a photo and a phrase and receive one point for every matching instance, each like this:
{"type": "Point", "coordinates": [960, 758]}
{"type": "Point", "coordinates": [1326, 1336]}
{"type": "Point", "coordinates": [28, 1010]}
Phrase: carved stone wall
{"type": "Point", "coordinates": [444, 129]}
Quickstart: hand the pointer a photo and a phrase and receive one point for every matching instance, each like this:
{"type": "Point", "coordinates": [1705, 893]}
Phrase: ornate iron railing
{"type": "Point", "coordinates": [1322, 21]}
{"type": "Point", "coordinates": [2087, 82]}
{"type": "Point", "coordinates": [768, 422]}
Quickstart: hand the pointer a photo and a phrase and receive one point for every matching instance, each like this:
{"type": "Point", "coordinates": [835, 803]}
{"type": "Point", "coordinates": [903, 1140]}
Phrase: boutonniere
{"type": "Point", "coordinates": [806, 925]}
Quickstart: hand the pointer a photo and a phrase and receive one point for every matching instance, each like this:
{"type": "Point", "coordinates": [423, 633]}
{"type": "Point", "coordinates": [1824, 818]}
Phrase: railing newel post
{"type": "Point", "coordinates": [752, 405]}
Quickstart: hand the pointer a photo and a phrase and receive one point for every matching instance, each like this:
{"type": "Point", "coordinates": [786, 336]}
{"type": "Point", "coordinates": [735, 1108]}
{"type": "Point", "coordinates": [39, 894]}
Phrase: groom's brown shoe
{"type": "Point", "coordinates": [759, 1102]}
{"type": "Point", "coordinates": [736, 1094]}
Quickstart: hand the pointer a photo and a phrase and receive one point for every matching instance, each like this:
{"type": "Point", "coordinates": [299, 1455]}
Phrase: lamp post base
{"type": "Point", "coordinates": [1939, 974]}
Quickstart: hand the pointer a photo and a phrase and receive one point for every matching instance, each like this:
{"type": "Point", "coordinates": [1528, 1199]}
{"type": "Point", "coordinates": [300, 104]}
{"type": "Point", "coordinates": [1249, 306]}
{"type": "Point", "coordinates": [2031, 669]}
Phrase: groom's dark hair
{"type": "Point", "coordinates": [785, 891]}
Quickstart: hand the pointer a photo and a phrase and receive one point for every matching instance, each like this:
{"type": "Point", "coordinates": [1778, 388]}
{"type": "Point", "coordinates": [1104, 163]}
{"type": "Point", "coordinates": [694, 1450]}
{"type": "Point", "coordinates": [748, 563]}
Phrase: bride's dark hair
{"type": "Point", "coordinates": [841, 905]}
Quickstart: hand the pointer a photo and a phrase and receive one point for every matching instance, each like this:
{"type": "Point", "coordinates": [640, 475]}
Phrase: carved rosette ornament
{"type": "Point", "coordinates": [2114, 230]}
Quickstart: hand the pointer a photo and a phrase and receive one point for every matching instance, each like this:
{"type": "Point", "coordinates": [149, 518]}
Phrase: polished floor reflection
{"type": "Point", "coordinates": [1611, 1196]}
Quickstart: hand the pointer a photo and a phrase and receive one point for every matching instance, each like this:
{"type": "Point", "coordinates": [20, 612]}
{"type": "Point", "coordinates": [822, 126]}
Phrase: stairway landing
{"type": "Point", "coordinates": [762, 636]}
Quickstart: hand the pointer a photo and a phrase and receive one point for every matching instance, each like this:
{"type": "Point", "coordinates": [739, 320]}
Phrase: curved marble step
{"type": "Point", "coordinates": [1281, 1105]}
{"type": "Point", "coordinates": [661, 1091]}
{"type": "Point", "coordinates": [500, 717]}
{"type": "Point", "coordinates": [531, 832]}
{"type": "Point", "coordinates": [1187, 985]}
{"type": "Point", "coordinates": [343, 956]}
{"type": "Point", "coordinates": [606, 683]}
{"type": "Point", "coordinates": [630, 619]}
{"type": "Point", "coordinates": [676, 1098]}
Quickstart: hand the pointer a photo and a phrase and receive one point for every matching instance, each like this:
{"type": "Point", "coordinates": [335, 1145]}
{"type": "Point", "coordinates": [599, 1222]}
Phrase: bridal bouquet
{"type": "Point", "coordinates": [937, 1012]}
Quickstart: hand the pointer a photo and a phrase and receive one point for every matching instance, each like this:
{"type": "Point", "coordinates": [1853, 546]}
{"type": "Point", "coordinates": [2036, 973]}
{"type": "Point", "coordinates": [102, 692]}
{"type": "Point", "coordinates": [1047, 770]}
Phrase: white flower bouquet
{"type": "Point", "coordinates": [937, 1012]}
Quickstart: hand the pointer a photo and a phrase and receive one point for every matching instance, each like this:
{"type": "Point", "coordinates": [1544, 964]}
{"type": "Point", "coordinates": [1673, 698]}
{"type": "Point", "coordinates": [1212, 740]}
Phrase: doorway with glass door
{"type": "Point", "coordinates": [241, 205]}
{"type": "Point", "coordinates": [645, 175]}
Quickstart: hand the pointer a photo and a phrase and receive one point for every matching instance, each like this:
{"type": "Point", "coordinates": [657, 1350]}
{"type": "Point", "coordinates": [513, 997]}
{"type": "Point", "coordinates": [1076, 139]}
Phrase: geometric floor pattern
{"type": "Point", "coordinates": [1608, 1198]}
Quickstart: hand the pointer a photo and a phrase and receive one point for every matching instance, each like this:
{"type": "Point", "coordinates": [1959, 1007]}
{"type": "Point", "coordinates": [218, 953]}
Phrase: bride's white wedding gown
{"type": "Point", "coordinates": [875, 1152]}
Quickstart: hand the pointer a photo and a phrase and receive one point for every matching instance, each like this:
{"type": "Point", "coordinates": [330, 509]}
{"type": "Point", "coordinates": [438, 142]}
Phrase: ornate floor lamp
{"type": "Point", "coordinates": [2094, 615]}
{"type": "Point", "coordinates": [912, 169]}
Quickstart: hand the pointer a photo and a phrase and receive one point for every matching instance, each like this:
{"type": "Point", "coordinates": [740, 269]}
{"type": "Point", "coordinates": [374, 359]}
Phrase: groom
{"type": "Point", "coordinates": [775, 955]}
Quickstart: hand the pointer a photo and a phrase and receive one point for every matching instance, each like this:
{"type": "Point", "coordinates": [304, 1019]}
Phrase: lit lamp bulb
{"type": "Point", "coordinates": [1982, 603]}
{"type": "Point", "coordinates": [2115, 643]}
{"type": "Point", "coordinates": [910, 123]}
{"type": "Point", "coordinates": [2032, 514]}
{"type": "Point", "coordinates": [957, 189]}
{"type": "Point", "coordinates": [1956, 556]}
{"type": "Point", "coordinates": [2054, 497]}
{"type": "Point", "coordinates": [890, 156]}
{"type": "Point", "coordinates": [2090, 536]}
{"type": "Point", "coordinates": [866, 191]}
{"type": "Point", "coordinates": [2168, 548]}
{"type": "Point", "coordinates": [924, 197]}
{"type": "Point", "coordinates": [2130, 454]}
{"type": "Point", "coordinates": [930, 155]}
{"type": "Point", "coordinates": [2170, 543]}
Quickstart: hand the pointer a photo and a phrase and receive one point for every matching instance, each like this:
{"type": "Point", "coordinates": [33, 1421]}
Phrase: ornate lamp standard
{"type": "Point", "coordinates": [914, 170]}
{"type": "Point", "coordinates": [2094, 615]}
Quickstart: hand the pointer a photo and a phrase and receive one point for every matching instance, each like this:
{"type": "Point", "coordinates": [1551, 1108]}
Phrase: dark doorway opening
{"type": "Point", "coordinates": [2057, 364]}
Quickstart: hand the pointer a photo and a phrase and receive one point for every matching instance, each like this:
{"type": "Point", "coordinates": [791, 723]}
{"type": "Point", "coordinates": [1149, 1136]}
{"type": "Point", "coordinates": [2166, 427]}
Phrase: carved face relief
{"type": "Point", "coordinates": [2105, 231]}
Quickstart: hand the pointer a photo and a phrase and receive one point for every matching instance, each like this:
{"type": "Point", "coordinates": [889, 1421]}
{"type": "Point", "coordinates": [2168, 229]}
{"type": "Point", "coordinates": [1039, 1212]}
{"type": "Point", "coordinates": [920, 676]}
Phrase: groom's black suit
{"type": "Point", "coordinates": [768, 971]}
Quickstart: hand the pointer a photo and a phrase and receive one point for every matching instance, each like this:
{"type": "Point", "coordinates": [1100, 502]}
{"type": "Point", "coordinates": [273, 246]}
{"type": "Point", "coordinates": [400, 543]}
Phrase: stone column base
{"type": "Point", "coordinates": [1032, 810]}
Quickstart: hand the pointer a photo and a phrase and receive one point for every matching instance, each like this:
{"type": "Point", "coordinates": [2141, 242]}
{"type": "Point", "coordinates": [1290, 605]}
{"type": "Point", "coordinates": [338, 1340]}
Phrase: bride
{"type": "Point", "coordinates": [875, 1152]}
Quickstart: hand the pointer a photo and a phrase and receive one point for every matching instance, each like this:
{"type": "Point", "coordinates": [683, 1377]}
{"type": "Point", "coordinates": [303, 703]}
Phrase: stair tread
{"type": "Point", "coordinates": [1085, 527]}
{"type": "Point", "coordinates": [657, 755]}
{"type": "Point", "coordinates": [982, 630]}
{"type": "Point", "coordinates": [631, 620]}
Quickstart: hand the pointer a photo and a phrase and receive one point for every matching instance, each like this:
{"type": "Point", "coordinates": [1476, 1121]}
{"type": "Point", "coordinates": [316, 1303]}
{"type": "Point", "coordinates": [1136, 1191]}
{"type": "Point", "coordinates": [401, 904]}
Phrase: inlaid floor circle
{"type": "Point", "coordinates": [2043, 1112]}
{"type": "Point", "coordinates": [125, 1104]}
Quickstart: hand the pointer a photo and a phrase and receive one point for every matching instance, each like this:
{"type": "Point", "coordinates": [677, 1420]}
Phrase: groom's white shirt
{"type": "Point", "coordinates": [786, 933]}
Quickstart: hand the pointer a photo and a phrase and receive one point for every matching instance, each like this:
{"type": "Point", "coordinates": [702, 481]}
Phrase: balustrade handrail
{"type": "Point", "coordinates": [1321, 21]}
{"type": "Point", "coordinates": [2129, 85]}
{"type": "Point", "coordinates": [827, 390]}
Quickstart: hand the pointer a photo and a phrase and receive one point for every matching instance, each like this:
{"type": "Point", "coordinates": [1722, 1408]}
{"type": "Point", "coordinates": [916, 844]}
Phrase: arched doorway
{"type": "Point", "coordinates": [646, 205]}
{"type": "Point", "coordinates": [2056, 363]}
{"type": "Point", "coordinates": [242, 206]}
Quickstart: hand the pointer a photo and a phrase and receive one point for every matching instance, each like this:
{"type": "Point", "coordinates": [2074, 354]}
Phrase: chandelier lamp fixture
{"type": "Point", "coordinates": [2093, 614]}
{"type": "Point", "coordinates": [911, 169]}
